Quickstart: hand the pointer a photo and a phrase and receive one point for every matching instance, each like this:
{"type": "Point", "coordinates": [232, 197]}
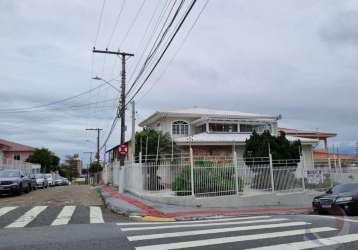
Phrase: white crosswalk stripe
{"type": "Point", "coordinates": [27, 217]}
{"type": "Point", "coordinates": [96, 215]}
{"type": "Point", "coordinates": [65, 216]}
{"type": "Point", "coordinates": [323, 242]}
{"type": "Point", "coordinates": [5, 210]}
{"type": "Point", "coordinates": [172, 235]}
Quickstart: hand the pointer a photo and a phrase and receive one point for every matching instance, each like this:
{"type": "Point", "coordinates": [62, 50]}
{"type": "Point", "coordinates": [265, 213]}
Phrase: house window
{"type": "Point", "coordinates": [200, 129]}
{"type": "Point", "coordinates": [259, 128]}
{"type": "Point", "coordinates": [180, 128]}
{"type": "Point", "coordinates": [16, 157]}
{"type": "Point", "coordinates": [223, 127]}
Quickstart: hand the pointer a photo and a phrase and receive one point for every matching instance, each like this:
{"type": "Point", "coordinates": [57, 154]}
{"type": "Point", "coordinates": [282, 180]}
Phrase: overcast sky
{"type": "Point", "coordinates": [295, 58]}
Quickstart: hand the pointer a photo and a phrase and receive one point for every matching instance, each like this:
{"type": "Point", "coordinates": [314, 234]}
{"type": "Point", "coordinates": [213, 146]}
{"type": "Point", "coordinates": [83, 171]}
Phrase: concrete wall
{"type": "Point", "coordinates": [294, 200]}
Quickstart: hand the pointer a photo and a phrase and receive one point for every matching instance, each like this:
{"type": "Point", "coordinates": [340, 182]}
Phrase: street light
{"type": "Point", "coordinates": [107, 82]}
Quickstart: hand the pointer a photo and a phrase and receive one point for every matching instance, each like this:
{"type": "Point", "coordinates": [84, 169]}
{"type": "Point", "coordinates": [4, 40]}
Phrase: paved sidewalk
{"type": "Point", "coordinates": [130, 205]}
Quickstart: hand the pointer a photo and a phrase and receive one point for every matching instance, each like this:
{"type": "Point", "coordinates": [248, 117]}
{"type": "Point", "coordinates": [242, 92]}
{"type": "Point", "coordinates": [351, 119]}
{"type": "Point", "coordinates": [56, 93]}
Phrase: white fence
{"type": "Point", "coordinates": [28, 168]}
{"type": "Point", "coordinates": [216, 176]}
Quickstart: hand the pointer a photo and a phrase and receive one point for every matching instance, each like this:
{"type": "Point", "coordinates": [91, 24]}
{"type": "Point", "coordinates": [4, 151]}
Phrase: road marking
{"type": "Point", "coordinates": [96, 215]}
{"type": "Point", "coordinates": [64, 216]}
{"type": "Point", "coordinates": [204, 225]}
{"type": "Point", "coordinates": [213, 231]}
{"type": "Point", "coordinates": [334, 218]}
{"type": "Point", "coordinates": [196, 221]}
{"type": "Point", "coordinates": [223, 240]}
{"type": "Point", "coordinates": [5, 210]}
{"type": "Point", "coordinates": [313, 243]}
{"type": "Point", "coordinates": [27, 217]}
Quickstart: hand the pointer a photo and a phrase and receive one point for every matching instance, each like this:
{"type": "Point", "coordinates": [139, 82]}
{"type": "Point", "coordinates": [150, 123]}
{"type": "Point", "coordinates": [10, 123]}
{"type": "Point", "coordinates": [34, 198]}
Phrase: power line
{"type": "Point", "coordinates": [55, 102]}
{"type": "Point", "coordinates": [116, 24]}
{"type": "Point", "coordinates": [99, 22]}
{"type": "Point", "coordinates": [132, 24]}
{"type": "Point", "coordinates": [164, 51]}
{"type": "Point", "coordinates": [177, 51]}
{"type": "Point", "coordinates": [157, 43]}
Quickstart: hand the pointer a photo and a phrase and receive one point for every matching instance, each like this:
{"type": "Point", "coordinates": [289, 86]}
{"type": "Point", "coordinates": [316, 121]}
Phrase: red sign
{"type": "Point", "coordinates": [122, 149]}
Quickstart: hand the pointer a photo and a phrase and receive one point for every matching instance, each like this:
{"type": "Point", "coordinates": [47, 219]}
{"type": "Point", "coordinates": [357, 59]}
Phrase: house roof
{"type": "Point", "coordinates": [13, 146]}
{"type": "Point", "coordinates": [307, 134]}
{"type": "Point", "coordinates": [228, 139]}
{"type": "Point", "coordinates": [200, 112]}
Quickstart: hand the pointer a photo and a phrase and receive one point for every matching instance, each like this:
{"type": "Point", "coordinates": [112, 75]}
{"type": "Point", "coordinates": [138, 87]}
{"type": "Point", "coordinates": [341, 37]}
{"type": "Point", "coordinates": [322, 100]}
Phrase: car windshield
{"type": "Point", "coordinates": [344, 188]}
{"type": "Point", "coordinates": [9, 173]}
{"type": "Point", "coordinates": [48, 175]}
{"type": "Point", "coordinates": [39, 176]}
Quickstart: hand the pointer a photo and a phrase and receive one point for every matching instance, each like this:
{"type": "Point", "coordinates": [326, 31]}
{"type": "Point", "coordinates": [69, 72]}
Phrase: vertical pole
{"type": "Point", "coordinates": [191, 171]}
{"type": "Point", "coordinates": [303, 171]}
{"type": "Point", "coordinates": [172, 158]}
{"type": "Point", "coordinates": [271, 170]}
{"type": "Point", "coordinates": [236, 173]}
{"type": "Point", "coordinates": [123, 106]}
{"type": "Point", "coordinates": [146, 149]}
{"type": "Point", "coordinates": [330, 171]}
{"type": "Point", "coordinates": [158, 144]}
{"type": "Point", "coordinates": [133, 131]}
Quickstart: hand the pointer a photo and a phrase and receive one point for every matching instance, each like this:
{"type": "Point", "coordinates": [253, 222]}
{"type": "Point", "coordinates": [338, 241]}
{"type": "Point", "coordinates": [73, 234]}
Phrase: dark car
{"type": "Point", "coordinates": [14, 182]}
{"type": "Point", "coordinates": [343, 197]}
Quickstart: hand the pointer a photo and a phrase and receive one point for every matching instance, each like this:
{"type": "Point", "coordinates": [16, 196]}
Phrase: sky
{"type": "Point", "coordinates": [297, 58]}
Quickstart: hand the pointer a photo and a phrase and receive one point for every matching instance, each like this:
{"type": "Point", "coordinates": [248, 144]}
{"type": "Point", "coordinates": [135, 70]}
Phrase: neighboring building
{"type": "Point", "coordinates": [318, 153]}
{"type": "Point", "coordinates": [76, 165]}
{"type": "Point", "coordinates": [219, 132]}
{"type": "Point", "coordinates": [12, 151]}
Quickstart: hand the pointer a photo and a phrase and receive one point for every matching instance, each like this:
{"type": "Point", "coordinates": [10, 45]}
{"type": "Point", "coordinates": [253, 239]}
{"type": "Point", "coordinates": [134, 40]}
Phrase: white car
{"type": "Point", "coordinates": [49, 179]}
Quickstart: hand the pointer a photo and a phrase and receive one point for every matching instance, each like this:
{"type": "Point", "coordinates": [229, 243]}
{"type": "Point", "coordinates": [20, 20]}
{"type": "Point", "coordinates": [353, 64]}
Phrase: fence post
{"type": "Point", "coordinates": [330, 171]}
{"type": "Point", "coordinates": [191, 171]}
{"type": "Point", "coordinates": [236, 173]}
{"type": "Point", "coordinates": [271, 173]}
{"type": "Point", "coordinates": [302, 160]}
{"type": "Point", "coordinates": [340, 165]}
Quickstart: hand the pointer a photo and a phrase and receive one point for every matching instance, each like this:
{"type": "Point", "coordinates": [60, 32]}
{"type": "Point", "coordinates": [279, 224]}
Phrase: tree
{"type": "Point", "coordinates": [281, 149]}
{"type": "Point", "coordinates": [165, 144]}
{"type": "Point", "coordinates": [258, 146]}
{"type": "Point", "coordinates": [47, 159]}
{"type": "Point", "coordinates": [149, 138]}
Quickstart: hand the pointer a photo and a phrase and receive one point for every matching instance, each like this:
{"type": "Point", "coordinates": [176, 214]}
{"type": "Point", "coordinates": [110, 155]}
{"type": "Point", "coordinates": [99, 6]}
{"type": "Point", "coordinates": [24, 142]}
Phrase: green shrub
{"type": "Point", "coordinates": [208, 179]}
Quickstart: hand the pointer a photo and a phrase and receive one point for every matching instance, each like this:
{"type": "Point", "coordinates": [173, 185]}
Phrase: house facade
{"type": "Point", "coordinates": [219, 132]}
{"type": "Point", "coordinates": [14, 152]}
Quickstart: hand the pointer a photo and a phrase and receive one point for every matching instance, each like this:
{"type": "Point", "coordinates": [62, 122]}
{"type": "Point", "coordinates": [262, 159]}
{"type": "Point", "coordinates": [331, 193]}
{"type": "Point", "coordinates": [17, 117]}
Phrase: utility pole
{"type": "Point", "coordinates": [90, 153]}
{"type": "Point", "coordinates": [133, 130]}
{"type": "Point", "coordinates": [98, 135]}
{"type": "Point", "coordinates": [122, 111]}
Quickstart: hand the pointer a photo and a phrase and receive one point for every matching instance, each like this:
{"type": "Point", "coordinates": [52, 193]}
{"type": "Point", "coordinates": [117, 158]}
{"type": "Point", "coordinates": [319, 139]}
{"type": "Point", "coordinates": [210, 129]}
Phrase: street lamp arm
{"type": "Point", "coordinates": [107, 82]}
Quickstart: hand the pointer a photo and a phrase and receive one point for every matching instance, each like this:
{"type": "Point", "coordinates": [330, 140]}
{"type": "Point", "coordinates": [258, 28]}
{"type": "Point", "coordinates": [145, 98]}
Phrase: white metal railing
{"type": "Point", "coordinates": [26, 167]}
{"type": "Point", "coordinates": [222, 175]}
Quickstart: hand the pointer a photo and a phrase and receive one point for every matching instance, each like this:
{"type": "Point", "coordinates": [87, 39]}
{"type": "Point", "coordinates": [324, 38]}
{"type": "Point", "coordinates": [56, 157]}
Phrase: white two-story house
{"type": "Point", "coordinates": [218, 132]}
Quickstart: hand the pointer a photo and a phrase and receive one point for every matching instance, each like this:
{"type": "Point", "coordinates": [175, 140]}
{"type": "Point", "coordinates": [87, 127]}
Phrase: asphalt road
{"type": "Point", "coordinates": [33, 222]}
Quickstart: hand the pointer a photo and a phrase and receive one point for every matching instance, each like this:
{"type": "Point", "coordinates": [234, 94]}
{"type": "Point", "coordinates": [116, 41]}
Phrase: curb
{"type": "Point", "coordinates": [151, 214]}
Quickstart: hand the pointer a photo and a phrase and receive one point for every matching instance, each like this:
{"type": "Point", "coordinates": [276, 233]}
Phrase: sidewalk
{"type": "Point", "coordinates": [129, 205]}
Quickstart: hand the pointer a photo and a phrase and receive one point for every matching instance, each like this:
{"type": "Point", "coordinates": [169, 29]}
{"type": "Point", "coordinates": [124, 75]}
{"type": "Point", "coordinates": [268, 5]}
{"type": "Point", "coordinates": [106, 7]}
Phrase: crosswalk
{"type": "Point", "coordinates": [250, 232]}
{"type": "Point", "coordinates": [20, 217]}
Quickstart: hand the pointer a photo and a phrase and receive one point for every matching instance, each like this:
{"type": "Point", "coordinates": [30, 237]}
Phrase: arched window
{"type": "Point", "coordinates": [180, 128]}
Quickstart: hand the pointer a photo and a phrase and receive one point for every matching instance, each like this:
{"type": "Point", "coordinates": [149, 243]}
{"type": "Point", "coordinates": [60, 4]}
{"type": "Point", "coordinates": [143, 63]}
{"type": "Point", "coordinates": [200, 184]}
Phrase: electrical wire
{"type": "Point", "coordinates": [55, 102]}
{"type": "Point", "coordinates": [176, 52]}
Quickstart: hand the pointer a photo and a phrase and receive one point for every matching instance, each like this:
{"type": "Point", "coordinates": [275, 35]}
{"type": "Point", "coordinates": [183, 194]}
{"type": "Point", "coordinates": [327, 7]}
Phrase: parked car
{"type": "Point", "coordinates": [49, 179]}
{"type": "Point", "coordinates": [60, 181]}
{"type": "Point", "coordinates": [343, 197]}
{"type": "Point", "coordinates": [33, 182]}
{"type": "Point", "coordinates": [14, 182]}
{"type": "Point", "coordinates": [41, 181]}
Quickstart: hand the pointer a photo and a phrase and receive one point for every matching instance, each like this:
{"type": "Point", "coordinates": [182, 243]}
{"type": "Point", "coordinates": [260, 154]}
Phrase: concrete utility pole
{"type": "Point", "coordinates": [98, 135]}
{"type": "Point", "coordinates": [133, 131]}
{"type": "Point", "coordinates": [90, 153]}
{"type": "Point", "coordinates": [122, 110]}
